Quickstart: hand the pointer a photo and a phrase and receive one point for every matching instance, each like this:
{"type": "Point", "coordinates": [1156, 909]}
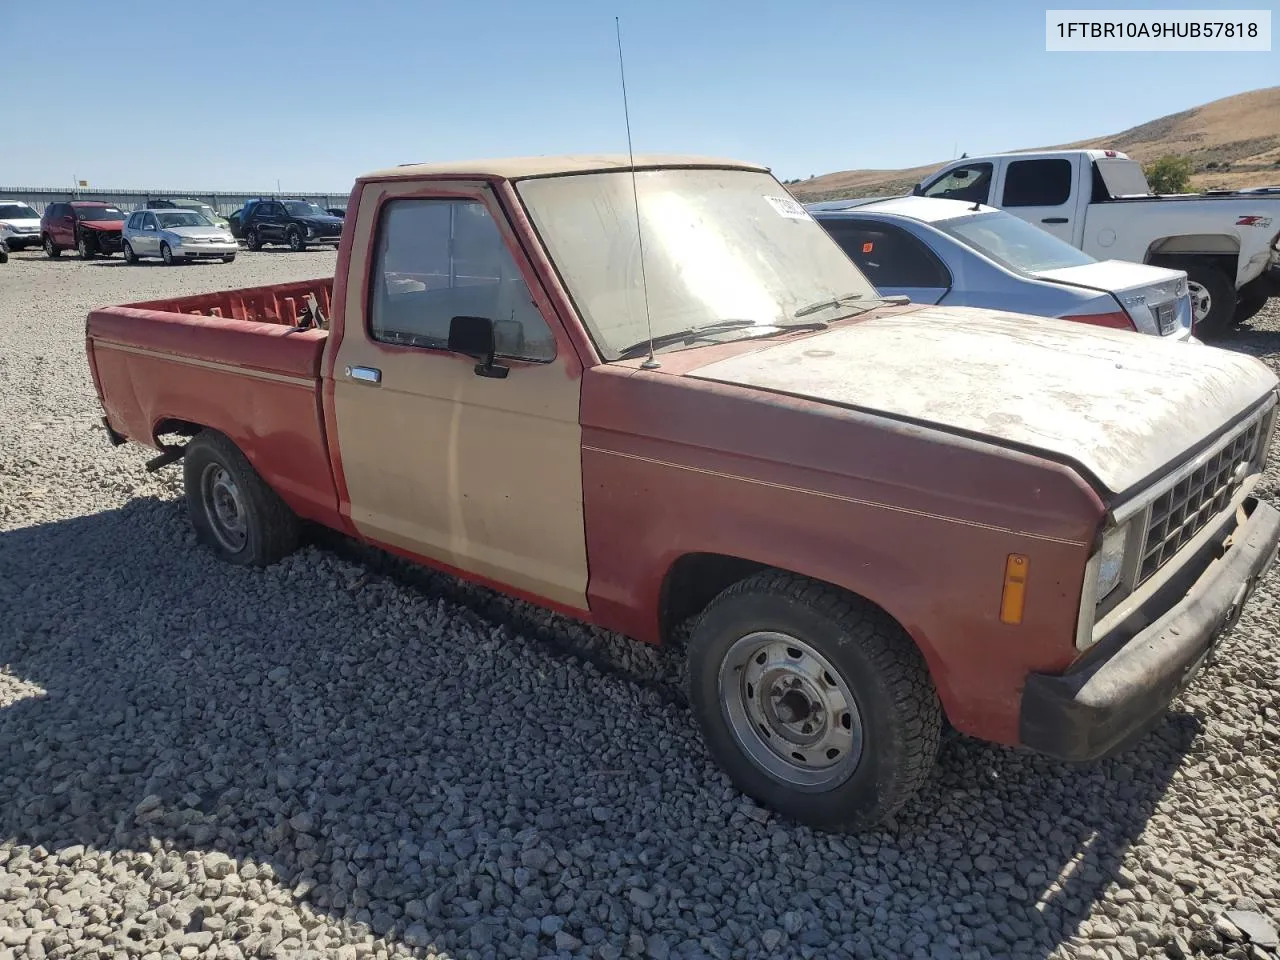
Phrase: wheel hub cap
{"type": "Point", "coordinates": [1201, 301]}
{"type": "Point", "coordinates": [224, 507]}
{"type": "Point", "coordinates": [791, 712]}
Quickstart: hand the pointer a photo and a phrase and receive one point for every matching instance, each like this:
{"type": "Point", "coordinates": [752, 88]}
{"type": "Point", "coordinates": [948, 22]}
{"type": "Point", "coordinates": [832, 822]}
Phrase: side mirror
{"type": "Point", "coordinates": [474, 337]}
{"type": "Point", "coordinates": [918, 190]}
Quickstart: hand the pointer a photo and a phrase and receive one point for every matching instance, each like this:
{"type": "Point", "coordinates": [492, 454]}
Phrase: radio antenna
{"type": "Point", "coordinates": [650, 363]}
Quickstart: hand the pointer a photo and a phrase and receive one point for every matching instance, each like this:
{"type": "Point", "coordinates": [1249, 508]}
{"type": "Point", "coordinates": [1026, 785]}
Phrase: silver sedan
{"type": "Point", "coordinates": [176, 236]}
{"type": "Point", "coordinates": [965, 254]}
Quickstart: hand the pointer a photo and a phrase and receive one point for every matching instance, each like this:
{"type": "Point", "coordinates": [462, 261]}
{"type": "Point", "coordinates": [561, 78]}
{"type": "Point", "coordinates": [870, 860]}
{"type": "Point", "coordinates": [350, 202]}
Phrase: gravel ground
{"type": "Point", "coordinates": [340, 756]}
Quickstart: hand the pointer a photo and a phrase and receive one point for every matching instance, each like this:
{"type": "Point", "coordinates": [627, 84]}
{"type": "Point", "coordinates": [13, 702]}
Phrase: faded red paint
{"type": "Point", "coordinates": [671, 465]}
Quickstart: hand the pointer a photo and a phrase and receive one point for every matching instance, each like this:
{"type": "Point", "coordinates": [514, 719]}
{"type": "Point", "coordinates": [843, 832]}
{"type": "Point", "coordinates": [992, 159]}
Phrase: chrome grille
{"type": "Point", "coordinates": [1181, 512]}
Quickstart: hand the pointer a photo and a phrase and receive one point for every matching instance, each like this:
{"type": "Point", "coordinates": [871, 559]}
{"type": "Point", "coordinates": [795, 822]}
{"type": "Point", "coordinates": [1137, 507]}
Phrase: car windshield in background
{"type": "Point", "coordinates": [169, 219]}
{"type": "Point", "coordinates": [297, 208]}
{"type": "Point", "coordinates": [17, 211]}
{"type": "Point", "coordinates": [719, 246]}
{"type": "Point", "coordinates": [203, 208]}
{"type": "Point", "coordinates": [1014, 243]}
{"type": "Point", "coordinates": [99, 213]}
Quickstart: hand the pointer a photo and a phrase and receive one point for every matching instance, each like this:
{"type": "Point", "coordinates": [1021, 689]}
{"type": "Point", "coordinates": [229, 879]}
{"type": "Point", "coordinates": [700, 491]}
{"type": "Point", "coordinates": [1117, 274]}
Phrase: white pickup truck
{"type": "Point", "coordinates": [1228, 242]}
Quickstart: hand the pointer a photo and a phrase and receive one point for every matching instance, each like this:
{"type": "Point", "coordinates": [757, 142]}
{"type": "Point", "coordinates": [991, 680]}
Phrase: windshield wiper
{"type": "Point", "coordinates": [690, 333]}
{"type": "Point", "coordinates": [839, 301]}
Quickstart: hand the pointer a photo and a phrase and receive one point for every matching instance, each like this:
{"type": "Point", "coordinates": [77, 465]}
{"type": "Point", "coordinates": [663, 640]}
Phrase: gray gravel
{"type": "Point", "coordinates": [342, 757]}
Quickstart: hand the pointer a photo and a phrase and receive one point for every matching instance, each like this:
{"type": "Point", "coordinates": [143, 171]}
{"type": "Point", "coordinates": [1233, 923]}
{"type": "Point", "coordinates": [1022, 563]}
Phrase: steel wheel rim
{"type": "Point", "coordinates": [790, 711]}
{"type": "Point", "coordinates": [295, 241]}
{"type": "Point", "coordinates": [224, 506]}
{"type": "Point", "coordinates": [84, 247]}
{"type": "Point", "coordinates": [1201, 301]}
{"type": "Point", "coordinates": [48, 247]}
{"type": "Point", "coordinates": [166, 254]}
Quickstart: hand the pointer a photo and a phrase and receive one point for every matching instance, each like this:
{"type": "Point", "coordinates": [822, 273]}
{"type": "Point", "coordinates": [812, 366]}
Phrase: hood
{"type": "Point", "coordinates": [1119, 405]}
{"type": "Point", "coordinates": [193, 233]}
{"type": "Point", "coordinates": [106, 226]}
{"type": "Point", "coordinates": [1115, 276]}
{"type": "Point", "coordinates": [24, 223]}
{"type": "Point", "coordinates": [325, 221]}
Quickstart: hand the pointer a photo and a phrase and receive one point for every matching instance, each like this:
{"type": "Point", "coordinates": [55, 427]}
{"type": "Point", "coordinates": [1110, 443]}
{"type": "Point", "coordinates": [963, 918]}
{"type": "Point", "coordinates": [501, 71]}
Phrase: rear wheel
{"type": "Point", "coordinates": [51, 249]}
{"type": "Point", "coordinates": [232, 508]}
{"type": "Point", "coordinates": [813, 701]}
{"type": "Point", "coordinates": [252, 239]}
{"type": "Point", "coordinates": [1213, 297]}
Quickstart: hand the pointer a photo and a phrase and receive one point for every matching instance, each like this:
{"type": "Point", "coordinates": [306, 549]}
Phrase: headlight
{"type": "Point", "coordinates": [311, 231]}
{"type": "Point", "coordinates": [1111, 561]}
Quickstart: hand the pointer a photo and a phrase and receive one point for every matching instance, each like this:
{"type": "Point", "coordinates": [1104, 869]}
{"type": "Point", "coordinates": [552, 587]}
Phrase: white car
{"type": "Point", "coordinates": [950, 253]}
{"type": "Point", "coordinates": [1100, 202]}
{"type": "Point", "coordinates": [176, 236]}
{"type": "Point", "coordinates": [19, 224]}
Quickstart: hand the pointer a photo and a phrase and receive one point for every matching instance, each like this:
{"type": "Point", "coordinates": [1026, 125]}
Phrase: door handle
{"type": "Point", "coordinates": [365, 374]}
{"type": "Point", "coordinates": [1054, 220]}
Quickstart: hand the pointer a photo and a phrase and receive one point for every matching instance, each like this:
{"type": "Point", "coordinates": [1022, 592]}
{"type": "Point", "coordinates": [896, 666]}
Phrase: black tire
{"type": "Point", "coordinates": [1247, 307]}
{"type": "Point", "coordinates": [166, 254]}
{"type": "Point", "coordinates": [252, 240]}
{"type": "Point", "coordinates": [270, 528]}
{"type": "Point", "coordinates": [127, 249]}
{"type": "Point", "coordinates": [896, 707]}
{"type": "Point", "coordinates": [1217, 287]}
{"type": "Point", "coordinates": [87, 249]}
{"type": "Point", "coordinates": [296, 243]}
{"type": "Point", "coordinates": [51, 249]}
{"type": "Point", "coordinates": [4, 252]}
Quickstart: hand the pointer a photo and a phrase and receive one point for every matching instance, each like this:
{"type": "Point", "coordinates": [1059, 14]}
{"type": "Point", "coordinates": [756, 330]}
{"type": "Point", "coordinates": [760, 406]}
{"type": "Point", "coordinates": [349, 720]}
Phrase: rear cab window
{"type": "Point", "coordinates": [436, 259]}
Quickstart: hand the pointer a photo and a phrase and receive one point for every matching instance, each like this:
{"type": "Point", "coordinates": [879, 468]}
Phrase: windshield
{"type": "Point", "coordinates": [168, 219]}
{"type": "Point", "coordinates": [17, 211]}
{"type": "Point", "coordinates": [719, 245]}
{"type": "Point", "coordinates": [1014, 243]}
{"type": "Point", "coordinates": [99, 213]}
{"type": "Point", "coordinates": [298, 208]}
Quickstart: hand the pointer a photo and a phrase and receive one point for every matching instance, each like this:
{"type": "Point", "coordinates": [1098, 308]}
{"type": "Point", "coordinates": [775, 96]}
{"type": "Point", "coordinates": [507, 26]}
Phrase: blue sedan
{"type": "Point", "coordinates": [965, 254]}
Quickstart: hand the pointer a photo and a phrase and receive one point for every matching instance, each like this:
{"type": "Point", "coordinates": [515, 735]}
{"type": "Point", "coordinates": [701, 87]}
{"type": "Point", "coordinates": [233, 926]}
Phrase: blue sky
{"type": "Point", "coordinates": [231, 94]}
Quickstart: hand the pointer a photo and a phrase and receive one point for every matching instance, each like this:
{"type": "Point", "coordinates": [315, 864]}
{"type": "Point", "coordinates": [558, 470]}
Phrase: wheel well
{"type": "Point", "coordinates": [693, 581]}
{"type": "Point", "coordinates": [1222, 251]}
{"type": "Point", "coordinates": [172, 427]}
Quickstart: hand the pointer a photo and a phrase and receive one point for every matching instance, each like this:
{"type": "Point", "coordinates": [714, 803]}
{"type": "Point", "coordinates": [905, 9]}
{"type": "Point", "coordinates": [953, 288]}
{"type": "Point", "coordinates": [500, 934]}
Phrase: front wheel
{"type": "Point", "coordinates": [129, 256]}
{"type": "Point", "coordinates": [252, 239]}
{"type": "Point", "coordinates": [166, 254]}
{"type": "Point", "coordinates": [85, 248]}
{"type": "Point", "coordinates": [814, 702]}
{"type": "Point", "coordinates": [296, 243]}
{"type": "Point", "coordinates": [232, 508]}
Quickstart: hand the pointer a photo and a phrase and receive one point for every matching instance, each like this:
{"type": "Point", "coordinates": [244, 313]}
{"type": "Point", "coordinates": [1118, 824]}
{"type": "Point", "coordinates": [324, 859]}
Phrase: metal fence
{"type": "Point", "coordinates": [222, 201]}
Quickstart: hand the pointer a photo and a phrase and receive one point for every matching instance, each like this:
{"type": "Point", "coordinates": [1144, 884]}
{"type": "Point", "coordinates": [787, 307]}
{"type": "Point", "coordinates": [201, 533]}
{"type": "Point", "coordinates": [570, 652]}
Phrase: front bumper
{"type": "Point", "coordinates": [106, 242]}
{"type": "Point", "coordinates": [20, 241]}
{"type": "Point", "coordinates": [1109, 699]}
{"type": "Point", "coordinates": [210, 250]}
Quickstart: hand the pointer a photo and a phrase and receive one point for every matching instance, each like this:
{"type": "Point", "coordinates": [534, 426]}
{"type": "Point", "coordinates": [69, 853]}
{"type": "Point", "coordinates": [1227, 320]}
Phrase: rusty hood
{"type": "Point", "coordinates": [1118, 404]}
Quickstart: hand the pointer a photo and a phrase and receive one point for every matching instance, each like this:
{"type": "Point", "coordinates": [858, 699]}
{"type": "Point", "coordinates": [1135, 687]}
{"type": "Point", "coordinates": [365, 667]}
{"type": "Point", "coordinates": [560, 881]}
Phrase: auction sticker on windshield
{"type": "Point", "coordinates": [787, 207]}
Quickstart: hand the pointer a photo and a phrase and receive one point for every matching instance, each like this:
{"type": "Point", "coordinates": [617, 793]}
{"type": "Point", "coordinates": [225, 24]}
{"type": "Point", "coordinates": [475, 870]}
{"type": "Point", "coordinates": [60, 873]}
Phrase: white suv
{"type": "Point", "coordinates": [19, 224]}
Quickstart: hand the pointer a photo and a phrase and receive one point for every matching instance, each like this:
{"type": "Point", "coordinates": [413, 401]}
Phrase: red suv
{"type": "Point", "coordinates": [91, 226]}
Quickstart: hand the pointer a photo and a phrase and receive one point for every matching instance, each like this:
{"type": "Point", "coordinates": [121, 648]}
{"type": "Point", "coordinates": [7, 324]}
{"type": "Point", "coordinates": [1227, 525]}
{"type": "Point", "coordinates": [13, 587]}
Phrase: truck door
{"type": "Point", "coordinates": [480, 474]}
{"type": "Point", "coordinates": [1039, 191]}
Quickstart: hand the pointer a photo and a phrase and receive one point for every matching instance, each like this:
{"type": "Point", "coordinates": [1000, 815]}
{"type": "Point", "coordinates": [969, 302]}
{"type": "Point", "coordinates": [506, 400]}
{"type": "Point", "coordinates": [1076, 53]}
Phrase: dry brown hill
{"type": "Point", "coordinates": [1233, 142]}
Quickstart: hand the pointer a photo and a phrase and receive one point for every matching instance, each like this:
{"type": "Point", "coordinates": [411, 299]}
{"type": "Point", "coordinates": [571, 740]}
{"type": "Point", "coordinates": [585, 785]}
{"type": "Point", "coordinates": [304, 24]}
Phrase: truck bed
{"type": "Point", "coordinates": [233, 361]}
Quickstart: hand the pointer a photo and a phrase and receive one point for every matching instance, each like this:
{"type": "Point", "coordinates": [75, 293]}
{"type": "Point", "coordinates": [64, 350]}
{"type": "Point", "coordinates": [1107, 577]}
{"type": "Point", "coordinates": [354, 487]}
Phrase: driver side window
{"type": "Point", "coordinates": [970, 183]}
{"type": "Point", "coordinates": [440, 259]}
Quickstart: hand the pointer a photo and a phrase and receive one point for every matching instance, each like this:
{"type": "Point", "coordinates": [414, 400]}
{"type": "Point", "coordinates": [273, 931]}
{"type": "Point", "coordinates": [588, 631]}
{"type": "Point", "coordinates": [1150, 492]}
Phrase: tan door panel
{"type": "Point", "coordinates": [482, 474]}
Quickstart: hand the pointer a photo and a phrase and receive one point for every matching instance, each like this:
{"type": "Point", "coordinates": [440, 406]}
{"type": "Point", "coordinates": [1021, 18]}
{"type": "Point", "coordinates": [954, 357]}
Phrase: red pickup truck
{"type": "Point", "coordinates": [657, 396]}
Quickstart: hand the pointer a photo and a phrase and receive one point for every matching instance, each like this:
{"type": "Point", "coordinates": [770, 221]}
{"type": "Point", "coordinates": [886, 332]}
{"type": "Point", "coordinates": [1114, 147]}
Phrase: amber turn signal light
{"type": "Point", "coordinates": [1015, 588]}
